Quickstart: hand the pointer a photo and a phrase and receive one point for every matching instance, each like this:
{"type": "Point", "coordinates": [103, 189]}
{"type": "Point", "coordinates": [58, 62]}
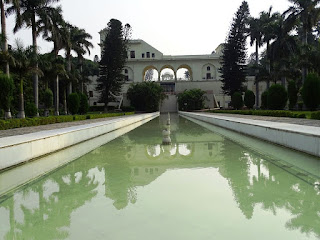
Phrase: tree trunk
{"type": "Point", "coordinates": [69, 71]}
{"type": "Point", "coordinates": [35, 76]}
{"type": "Point", "coordinates": [257, 72]}
{"type": "Point", "coordinates": [65, 108]}
{"type": "Point", "coordinates": [4, 35]}
{"type": "Point", "coordinates": [21, 113]}
{"type": "Point", "coordinates": [268, 66]}
{"type": "Point", "coordinates": [56, 96]}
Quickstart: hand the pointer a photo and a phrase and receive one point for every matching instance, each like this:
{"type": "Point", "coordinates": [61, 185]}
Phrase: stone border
{"type": "Point", "coordinates": [298, 137]}
{"type": "Point", "coordinates": [15, 150]}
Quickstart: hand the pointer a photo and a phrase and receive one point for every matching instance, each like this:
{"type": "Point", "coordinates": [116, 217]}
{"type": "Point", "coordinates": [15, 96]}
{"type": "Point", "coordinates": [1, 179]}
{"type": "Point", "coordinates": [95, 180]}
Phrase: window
{"type": "Point", "coordinates": [95, 103]}
{"type": "Point", "coordinates": [148, 54]}
{"type": "Point", "coordinates": [208, 68]}
{"type": "Point", "coordinates": [153, 55]}
{"type": "Point", "coordinates": [90, 93]}
{"type": "Point", "coordinates": [126, 78]}
{"type": "Point", "coordinates": [126, 71]}
{"type": "Point", "coordinates": [208, 75]}
{"type": "Point", "coordinates": [142, 55]}
{"type": "Point", "coordinates": [132, 54]}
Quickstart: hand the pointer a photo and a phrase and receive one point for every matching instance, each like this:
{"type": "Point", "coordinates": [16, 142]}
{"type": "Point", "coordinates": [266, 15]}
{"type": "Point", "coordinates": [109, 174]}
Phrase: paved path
{"type": "Point", "coordinates": [26, 130]}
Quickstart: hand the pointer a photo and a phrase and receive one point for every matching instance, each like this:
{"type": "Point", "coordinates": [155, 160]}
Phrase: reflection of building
{"type": "Point", "coordinates": [202, 72]}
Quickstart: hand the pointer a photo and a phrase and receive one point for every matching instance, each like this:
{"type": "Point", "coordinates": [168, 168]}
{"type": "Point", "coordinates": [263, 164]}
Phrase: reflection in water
{"type": "Point", "coordinates": [128, 173]}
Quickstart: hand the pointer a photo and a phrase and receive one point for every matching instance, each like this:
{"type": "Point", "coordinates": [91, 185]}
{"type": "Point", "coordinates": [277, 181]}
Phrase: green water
{"type": "Point", "coordinates": [203, 186]}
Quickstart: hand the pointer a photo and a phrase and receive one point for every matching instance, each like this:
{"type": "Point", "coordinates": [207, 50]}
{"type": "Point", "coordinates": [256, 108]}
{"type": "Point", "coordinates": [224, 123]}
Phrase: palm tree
{"type": "Point", "coordinates": [52, 31]}
{"type": "Point", "coordinates": [4, 46]}
{"type": "Point", "coordinates": [307, 13]}
{"type": "Point", "coordinates": [256, 36]}
{"type": "Point", "coordinates": [81, 45]}
{"type": "Point", "coordinates": [24, 58]}
{"type": "Point", "coordinates": [268, 24]}
{"type": "Point", "coordinates": [30, 11]}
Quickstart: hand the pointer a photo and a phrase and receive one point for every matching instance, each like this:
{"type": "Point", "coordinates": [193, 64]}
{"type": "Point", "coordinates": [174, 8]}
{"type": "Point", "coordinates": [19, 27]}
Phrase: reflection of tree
{"type": "Point", "coordinates": [278, 190]}
{"type": "Point", "coordinates": [52, 217]}
{"type": "Point", "coordinates": [118, 181]}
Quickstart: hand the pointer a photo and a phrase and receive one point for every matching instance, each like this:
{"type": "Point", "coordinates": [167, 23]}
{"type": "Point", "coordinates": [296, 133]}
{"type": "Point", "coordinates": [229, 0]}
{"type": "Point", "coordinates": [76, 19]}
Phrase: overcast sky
{"type": "Point", "coordinates": [174, 27]}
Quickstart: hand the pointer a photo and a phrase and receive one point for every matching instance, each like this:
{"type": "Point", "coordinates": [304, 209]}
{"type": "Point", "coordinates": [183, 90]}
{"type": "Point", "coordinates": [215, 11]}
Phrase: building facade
{"type": "Point", "coordinates": [174, 73]}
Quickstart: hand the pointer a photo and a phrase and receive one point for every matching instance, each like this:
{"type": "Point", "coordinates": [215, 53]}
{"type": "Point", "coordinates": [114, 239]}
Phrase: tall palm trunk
{"type": "Point", "coordinates": [305, 41]}
{"type": "Point", "coordinates": [21, 113]}
{"type": "Point", "coordinates": [69, 71]}
{"type": "Point", "coordinates": [5, 49]}
{"type": "Point", "coordinates": [257, 82]}
{"type": "Point", "coordinates": [56, 96]}
{"type": "Point", "coordinates": [268, 66]}
{"type": "Point", "coordinates": [35, 76]}
{"type": "Point", "coordinates": [65, 108]}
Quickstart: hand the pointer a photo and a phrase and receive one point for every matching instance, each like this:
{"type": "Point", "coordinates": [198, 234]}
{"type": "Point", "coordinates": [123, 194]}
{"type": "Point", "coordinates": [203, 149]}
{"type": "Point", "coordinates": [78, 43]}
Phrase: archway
{"type": "Point", "coordinates": [184, 73]}
{"type": "Point", "coordinates": [150, 73]}
{"type": "Point", "coordinates": [128, 74]}
{"type": "Point", "coordinates": [167, 73]}
{"type": "Point", "coordinates": [209, 72]}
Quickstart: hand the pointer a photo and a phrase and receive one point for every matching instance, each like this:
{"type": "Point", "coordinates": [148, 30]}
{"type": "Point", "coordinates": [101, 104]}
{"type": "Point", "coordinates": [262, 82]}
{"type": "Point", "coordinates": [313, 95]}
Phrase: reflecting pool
{"type": "Point", "coordinates": [204, 186]}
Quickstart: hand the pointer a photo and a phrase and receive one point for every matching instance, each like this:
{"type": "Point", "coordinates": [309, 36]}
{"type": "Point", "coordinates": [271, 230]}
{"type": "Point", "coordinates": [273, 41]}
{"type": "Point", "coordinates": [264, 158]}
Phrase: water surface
{"type": "Point", "coordinates": [203, 186]}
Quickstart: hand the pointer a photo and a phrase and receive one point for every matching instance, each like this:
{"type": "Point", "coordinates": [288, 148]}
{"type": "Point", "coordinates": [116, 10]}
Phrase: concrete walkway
{"type": "Point", "coordinates": [26, 130]}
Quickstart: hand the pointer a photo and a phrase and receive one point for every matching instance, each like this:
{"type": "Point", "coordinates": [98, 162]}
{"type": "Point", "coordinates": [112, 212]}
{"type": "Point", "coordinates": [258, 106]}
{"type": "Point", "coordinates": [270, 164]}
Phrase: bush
{"type": "Point", "coordinates": [190, 100]}
{"type": "Point", "coordinates": [264, 100]}
{"type": "Point", "coordinates": [310, 91]}
{"type": "Point", "coordinates": [146, 96]}
{"type": "Point", "coordinates": [315, 115]}
{"type": "Point", "coordinates": [277, 97]}
{"type": "Point", "coordinates": [127, 109]}
{"type": "Point", "coordinates": [84, 106]}
{"type": "Point", "coordinates": [48, 98]}
{"type": "Point", "coordinates": [292, 94]}
{"type": "Point", "coordinates": [236, 100]}
{"type": "Point", "coordinates": [6, 91]}
{"type": "Point", "coordinates": [31, 109]}
{"type": "Point", "coordinates": [249, 99]}
{"type": "Point", "coordinates": [73, 103]}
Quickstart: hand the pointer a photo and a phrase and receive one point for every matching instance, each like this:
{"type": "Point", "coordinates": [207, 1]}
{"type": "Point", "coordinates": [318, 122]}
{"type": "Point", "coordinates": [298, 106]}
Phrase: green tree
{"type": "Point", "coordinates": [84, 106]}
{"type": "Point", "coordinates": [146, 96]}
{"type": "Point", "coordinates": [6, 92]}
{"type": "Point", "coordinates": [249, 99]}
{"type": "Point", "coordinates": [73, 103]}
{"type": "Point", "coordinates": [47, 100]}
{"type": "Point", "coordinates": [234, 54]}
{"type": "Point", "coordinates": [114, 54]}
{"type": "Point", "coordinates": [24, 64]}
{"type": "Point", "coordinates": [31, 13]}
{"type": "Point", "coordinates": [236, 100]}
{"type": "Point", "coordinates": [256, 37]}
{"type": "Point", "coordinates": [277, 97]}
{"type": "Point", "coordinates": [4, 46]}
{"type": "Point", "coordinates": [292, 94]}
{"type": "Point", "coordinates": [192, 99]}
{"type": "Point", "coordinates": [310, 91]}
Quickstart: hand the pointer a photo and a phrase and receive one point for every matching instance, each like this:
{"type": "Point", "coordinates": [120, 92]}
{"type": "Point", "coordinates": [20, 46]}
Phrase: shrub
{"type": "Point", "coordinates": [310, 91]}
{"type": "Point", "coordinates": [315, 115]}
{"type": "Point", "coordinates": [190, 100]}
{"type": "Point", "coordinates": [146, 96]}
{"type": "Point", "coordinates": [31, 109]}
{"type": "Point", "coordinates": [277, 97]}
{"type": "Point", "coordinates": [73, 103]}
{"type": "Point", "coordinates": [6, 91]}
{"type": "Point", "coordinates": [48, 98]}
{"type": "Point", "coordinates": [84, 106]}
{"type": "Point", "coordinates": [264, 100]}
{"type": "Point", "coordinates": [236, 100]}
{"type": "Point", "coordinates": [292, 94]}
{"type": "Point", "coordinates": [249, 99]}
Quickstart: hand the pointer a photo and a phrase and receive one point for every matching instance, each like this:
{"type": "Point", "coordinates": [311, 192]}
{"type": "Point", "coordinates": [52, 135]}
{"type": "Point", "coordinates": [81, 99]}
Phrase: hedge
{"type": "Point", "coordinates": [28, 122]}
{"type": "Point", "coordinates": [271, 113]}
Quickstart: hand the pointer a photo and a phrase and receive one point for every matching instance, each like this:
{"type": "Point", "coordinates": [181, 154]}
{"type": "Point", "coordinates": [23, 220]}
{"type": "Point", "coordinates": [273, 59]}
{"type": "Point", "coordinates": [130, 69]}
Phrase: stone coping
{"type": "Point", "coordinates": [298, 137]}
{"type": "Point", "coordinates": [18, 149]}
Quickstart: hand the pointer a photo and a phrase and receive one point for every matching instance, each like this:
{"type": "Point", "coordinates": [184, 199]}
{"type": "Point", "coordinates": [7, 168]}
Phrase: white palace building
{"type": "Point", "coordinates": [170, 72]}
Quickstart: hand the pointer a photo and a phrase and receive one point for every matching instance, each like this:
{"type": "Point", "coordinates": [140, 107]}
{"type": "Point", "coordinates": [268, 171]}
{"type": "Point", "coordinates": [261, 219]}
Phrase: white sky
{"type": "Point", "coordinates": [174, 27]}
